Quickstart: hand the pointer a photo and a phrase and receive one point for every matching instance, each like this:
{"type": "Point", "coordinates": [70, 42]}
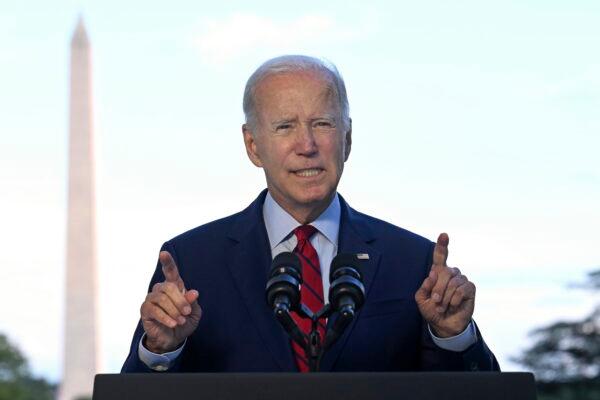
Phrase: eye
{"type": "Point", "coordinates": [323, 124]}
{"type": "Point", "coordinates": [283, 127]}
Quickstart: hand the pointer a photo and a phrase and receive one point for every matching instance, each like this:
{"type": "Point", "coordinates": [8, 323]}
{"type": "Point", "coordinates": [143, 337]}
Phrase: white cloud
{"type": "Point", "coordinates": [226, 39]}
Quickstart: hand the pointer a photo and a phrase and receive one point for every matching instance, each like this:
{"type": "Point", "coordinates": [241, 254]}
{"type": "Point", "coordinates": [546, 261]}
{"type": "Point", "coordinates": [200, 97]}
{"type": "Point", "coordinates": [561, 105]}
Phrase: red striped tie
{"type": "Point", "coordinates": [312, 288]}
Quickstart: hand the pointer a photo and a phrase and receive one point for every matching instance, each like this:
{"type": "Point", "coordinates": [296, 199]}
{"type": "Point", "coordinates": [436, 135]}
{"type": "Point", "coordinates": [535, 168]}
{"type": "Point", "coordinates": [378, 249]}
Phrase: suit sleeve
{"type": "Point", "coordinates": [478, 357]}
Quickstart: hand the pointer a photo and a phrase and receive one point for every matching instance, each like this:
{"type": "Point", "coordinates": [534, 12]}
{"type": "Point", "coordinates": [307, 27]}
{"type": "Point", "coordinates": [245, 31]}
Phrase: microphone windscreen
{"type": "Point", "coordinates": [344, 260]}
{"type": "Point", "coordinates": [286, 259]}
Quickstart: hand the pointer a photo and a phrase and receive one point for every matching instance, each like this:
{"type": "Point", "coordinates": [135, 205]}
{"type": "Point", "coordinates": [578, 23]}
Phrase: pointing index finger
{"type": "Point", "coordinates": [170, 269]}
{"type": "Point", "coordinates": [440, 252]}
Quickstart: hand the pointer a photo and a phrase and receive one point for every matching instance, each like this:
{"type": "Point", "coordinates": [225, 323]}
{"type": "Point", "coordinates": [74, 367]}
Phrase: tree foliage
{"type": "Point", "coordinates": [566, 351]}
{"type": "Point", "coordinates": [16, 381]}
{"type": "Point", "coordinates": [565, 355]}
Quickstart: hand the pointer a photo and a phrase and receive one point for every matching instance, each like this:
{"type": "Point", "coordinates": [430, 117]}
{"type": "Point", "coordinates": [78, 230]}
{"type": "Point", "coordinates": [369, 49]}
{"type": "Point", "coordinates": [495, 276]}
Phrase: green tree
{"type": "Point", "coordinates": [565, 356]}
{"type": "Point", "coordinates": [16, 381]}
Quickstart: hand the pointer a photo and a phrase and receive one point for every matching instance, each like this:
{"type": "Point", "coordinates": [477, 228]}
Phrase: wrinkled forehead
{"type": "Point", "coordinates": [276, 88]}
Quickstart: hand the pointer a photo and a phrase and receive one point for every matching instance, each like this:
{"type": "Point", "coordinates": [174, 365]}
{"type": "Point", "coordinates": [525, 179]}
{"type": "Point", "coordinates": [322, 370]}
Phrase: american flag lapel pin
{"type": "Point", "coordinates": [362, 256]}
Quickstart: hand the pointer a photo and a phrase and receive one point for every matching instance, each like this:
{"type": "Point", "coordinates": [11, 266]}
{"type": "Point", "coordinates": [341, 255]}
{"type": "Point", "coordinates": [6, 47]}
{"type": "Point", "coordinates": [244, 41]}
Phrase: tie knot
{"type": "Point", "coordinates": [304, 232]}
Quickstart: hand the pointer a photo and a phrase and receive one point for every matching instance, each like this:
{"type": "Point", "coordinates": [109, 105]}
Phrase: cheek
{"type": "Point", "coordinates": [336, 150]}
{"type": "Point", "coordinates": [274, 156]}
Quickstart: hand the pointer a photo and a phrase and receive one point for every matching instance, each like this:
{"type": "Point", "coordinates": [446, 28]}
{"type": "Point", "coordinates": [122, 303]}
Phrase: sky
{"type": "Point", "coordinates": [480, 119]}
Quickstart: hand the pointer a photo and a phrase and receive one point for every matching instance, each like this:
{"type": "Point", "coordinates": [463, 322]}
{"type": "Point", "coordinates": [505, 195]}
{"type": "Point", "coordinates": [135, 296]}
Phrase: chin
{"type": "Point", "coordinates": [312, 196]}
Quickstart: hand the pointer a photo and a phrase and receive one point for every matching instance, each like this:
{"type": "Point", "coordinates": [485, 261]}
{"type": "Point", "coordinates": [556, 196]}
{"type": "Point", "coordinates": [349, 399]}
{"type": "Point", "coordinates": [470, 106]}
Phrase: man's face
{"type": "Point", "coordinates": [299, 139]}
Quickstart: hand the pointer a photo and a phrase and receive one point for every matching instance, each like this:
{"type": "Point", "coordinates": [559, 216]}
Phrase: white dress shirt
{"type": "Point", "coordinates": [280, 226]}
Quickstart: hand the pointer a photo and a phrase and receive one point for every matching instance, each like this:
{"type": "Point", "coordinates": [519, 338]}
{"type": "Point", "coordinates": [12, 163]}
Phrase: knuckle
{"type": "Point", "coordinates": [174, 312]}
{"type": "Point", "coordinates": [162, 298]}
{"type": "Point", "coordinates": [164, 317]}
{"type": "Point", "coordinates": [151, 312]}
{"type": "Point", "coordinates": [168, 287]}
{"type": "Point", "coordinates": [459, 281]}
{"type": "Point", "coordinates": [182, 303]}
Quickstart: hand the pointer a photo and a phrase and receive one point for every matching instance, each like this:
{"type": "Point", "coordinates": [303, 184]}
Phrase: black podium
{"type": "Point", "coordinates": [327, 386]}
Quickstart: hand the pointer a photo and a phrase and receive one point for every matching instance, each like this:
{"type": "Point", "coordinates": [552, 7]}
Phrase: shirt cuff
{"type": "Point", "coordinates": [460, 342]}
{"type": "Point", "coordinates": [158, 362]}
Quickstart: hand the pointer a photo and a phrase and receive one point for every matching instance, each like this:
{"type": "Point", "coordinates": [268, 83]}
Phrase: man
{"type": "Point", "coordinates": [206, 310]}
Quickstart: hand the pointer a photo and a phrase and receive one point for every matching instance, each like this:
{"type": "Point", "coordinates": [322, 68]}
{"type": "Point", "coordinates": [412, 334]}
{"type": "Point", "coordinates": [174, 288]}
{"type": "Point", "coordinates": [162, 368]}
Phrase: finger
{"type": "Point", "coordinates": [462, 293]}
{"type": "Point", "coordinates": [176, 296]}
{"type": "Point", "coordinates": [151, 312]}
{"type": "Point", "coordinates": [424, 292]}
{"type": "Point", "coordinates": [440, 252]}
{"type": "Point", "coordinates": [444, 276]}
{"type": "Point", "coordinates": [162, 301]}
{"type": "Point", "coordinates": [453, 284]}
{"type": "Point", "coordinates": [170, 269]}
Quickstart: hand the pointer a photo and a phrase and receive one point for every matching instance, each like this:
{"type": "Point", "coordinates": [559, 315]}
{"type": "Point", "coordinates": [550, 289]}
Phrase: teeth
{"type": "Point", "coordinates": [308, 172]}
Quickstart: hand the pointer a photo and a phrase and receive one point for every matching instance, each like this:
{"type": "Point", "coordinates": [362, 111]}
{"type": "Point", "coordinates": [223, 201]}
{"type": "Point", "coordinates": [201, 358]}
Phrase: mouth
{"type": "Point", "coordinates": [308, 172]}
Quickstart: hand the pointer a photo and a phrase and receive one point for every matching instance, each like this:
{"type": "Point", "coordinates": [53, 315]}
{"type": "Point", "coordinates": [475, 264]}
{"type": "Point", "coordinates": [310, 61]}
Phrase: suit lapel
{"type": "Point", "coordinates": [249, 263]}
{"type": "Point", "coordinates": [355, 237]}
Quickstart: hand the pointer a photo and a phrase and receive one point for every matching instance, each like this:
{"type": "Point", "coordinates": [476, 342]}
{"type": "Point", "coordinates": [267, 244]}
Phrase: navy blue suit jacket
{"type": "Point", "coordinates": [227, 261]}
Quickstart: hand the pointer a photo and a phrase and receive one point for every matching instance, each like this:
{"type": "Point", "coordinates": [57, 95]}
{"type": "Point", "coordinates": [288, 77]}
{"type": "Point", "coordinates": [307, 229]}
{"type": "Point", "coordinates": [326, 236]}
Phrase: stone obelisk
{"type": "Point", "coordinates": [80, 341]}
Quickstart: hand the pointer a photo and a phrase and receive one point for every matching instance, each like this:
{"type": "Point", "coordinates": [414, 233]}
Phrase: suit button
{"type": "Point", "coordinates": [474, 366]}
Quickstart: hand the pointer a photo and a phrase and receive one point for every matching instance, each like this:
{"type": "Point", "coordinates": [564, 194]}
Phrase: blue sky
{"type": "Point", "coordinates": [480, 119]}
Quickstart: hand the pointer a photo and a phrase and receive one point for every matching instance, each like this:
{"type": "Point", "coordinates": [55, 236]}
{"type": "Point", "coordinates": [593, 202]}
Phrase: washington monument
{"type": "Point", "coordinates": [80, 342]}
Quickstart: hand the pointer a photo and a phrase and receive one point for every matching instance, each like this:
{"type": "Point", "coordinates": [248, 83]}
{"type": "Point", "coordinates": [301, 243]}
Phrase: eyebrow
{"type": "Point", "coordinates": [283, 121]}
{"type": "Point", "coordinates": [325, 116]}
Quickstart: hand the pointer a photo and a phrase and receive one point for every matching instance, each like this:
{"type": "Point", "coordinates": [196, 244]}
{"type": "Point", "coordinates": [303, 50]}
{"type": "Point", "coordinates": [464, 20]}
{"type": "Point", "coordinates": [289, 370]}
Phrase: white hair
{"type": "Point", "coordinates": [294, 63]}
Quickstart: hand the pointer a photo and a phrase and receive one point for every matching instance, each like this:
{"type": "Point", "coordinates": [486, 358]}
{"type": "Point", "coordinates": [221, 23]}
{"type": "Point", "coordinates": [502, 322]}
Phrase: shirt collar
{"type": "Point", "coordinates": [279, 223]}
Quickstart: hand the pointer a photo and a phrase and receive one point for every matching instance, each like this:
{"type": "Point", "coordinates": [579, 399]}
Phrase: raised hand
{"type": "Point", "coordinates": [446, 299]}
{"type": "Point", "coordinates": [170, 313]}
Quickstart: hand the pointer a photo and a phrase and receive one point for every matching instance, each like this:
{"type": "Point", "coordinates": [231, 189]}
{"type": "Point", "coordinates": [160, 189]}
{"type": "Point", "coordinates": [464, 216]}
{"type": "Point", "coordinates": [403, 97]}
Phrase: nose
{"type": "Point", "coordinates": [306, 144]}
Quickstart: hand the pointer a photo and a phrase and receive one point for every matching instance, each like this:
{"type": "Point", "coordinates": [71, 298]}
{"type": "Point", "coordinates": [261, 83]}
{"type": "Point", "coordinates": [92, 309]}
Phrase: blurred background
{"type": "Point", "coordinates": [480, 119]}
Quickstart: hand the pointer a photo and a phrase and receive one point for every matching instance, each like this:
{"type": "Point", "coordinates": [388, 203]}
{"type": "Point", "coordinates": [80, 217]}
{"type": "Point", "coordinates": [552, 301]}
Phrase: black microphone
{"type": "Point", "coordinates": [346, 293]}
{"type": "Point", "coordinates": [285, 277]}
{"type": "Point", "coordinates": [283, 292]}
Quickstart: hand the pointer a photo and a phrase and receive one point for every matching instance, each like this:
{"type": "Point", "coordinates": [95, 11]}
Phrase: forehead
{"type": "Point", "coordinates": [291, 89]}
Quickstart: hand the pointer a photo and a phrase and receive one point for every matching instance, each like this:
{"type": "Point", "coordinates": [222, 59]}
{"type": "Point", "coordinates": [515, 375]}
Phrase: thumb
{"type": "Point", "coordinates": [192, 297]}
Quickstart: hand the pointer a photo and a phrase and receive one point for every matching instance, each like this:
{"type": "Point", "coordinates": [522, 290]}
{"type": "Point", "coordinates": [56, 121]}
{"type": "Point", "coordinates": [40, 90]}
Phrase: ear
{"type": "Point", "coordinates": [348, 140]}
{"type": "Point", "coordinates": [250, 143]}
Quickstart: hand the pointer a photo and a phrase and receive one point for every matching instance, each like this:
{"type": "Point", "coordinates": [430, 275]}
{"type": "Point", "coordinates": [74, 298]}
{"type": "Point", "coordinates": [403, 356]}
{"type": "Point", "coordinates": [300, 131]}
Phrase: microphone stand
{"type": "Point", "coordinates": [313, 344]}
{"type": "Point", "coordinates": [314, 349]}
